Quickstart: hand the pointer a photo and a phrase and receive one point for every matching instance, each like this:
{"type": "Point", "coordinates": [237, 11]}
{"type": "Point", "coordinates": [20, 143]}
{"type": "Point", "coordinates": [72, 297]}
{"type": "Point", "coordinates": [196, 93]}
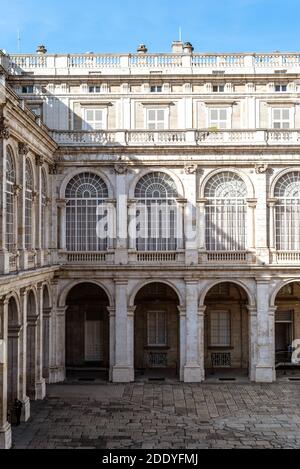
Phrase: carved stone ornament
{"type": "Point", "coordinates": [4, 130]}
{"type": "Point", "coordinates": [23, 149]}
{"type": "Point", "coordinates": [17, 189]}
{"type": "Point", "coordinates": [261, 168]}
{"type": "Point", "coordinates": [53, 169]}
{"type": "Point", "coordinates": [39, 160]}
{"type": "Point", "coordinates": [120, 168]}
{"type": "Point", "coordinates": [190, 168]}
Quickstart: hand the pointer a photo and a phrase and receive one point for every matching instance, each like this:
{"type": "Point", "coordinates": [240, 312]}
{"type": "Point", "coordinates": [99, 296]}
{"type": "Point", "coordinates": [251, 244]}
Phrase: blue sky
{"type": "Point", "coordinates": [120, 25]}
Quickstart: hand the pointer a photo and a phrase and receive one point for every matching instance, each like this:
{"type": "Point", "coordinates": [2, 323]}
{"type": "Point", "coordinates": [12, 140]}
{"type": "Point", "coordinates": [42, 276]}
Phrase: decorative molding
{"type": "Point", "coordinates": [4, 130]}
{"type": "Point", "coordinates": [53, 169]}
{"type": "Point", "coordinates": [17, 188]}
{"type": "Point", "coordinates": [35, 195]}
{"type": "Point", "coordinates": [120, 168]}
{"type": "Point", "coordinates": [23, 149]}
{"type": "Point", "coordinates": [261, 168]}
{"type": "Point", "coordinates": [39, 160]}
{"type": "Point", "coordinates": [190, 168]}
{"type": "Point", "coordinates": [48, 201]}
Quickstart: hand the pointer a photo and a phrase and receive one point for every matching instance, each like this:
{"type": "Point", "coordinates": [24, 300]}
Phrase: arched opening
{"type": "Point", "coordinates": [287, 329]}
{"type": "Point", "coordinates": [13, 353]}
{"type": "Point", "coordinates": [46, 332]}
{"type": "Point", "coordinates": [87, 332]}
{"type": "Point", "coordinates": [156, 332]}
{"type": "Point", "coordinates": [226, 332]}
{"type": "Point", "coordinates": [31, 346]}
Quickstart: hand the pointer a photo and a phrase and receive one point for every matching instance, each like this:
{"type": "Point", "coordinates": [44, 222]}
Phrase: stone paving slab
{"type": "Point", "coordinates": [155, 415]}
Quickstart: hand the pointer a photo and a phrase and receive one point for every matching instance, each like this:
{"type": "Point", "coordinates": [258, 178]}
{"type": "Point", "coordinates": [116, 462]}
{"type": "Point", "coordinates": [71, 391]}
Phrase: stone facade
{"type": "Point", "coordinates": [214, 140]}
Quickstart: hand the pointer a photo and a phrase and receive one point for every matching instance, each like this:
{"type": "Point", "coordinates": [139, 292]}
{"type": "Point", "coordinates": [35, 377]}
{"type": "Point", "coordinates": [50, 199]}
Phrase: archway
{"type": "Point", "coordinates": [226, 332]}
{"type": "Point", "coordinates": [156, 332]}
{"type": "Point", "coordinates": [31, 346]}
{"type": "Point", "coordinates": [287, 328]}
{"type": "Point", "coordinates": [87, 332]}
{"type": "Point", "coordinates": [46, 332]}
{"type": "Point", "coordinates": [13, 353]}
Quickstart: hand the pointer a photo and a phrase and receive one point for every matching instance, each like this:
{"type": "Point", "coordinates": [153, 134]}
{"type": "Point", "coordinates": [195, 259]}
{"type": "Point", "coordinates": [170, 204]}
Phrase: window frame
{"type": "Point", "coordinates": [86, 126]}
{"type": "Point", "coordinates": [157, 314]}
{"type": "Point", "coordinates": [156, 109]}
{"type": "Point", "coordinates": [229, 334]}
{"type": "Point", "coordinates": [218, 110]}
{"type": "Point", "coordinates": [290, 120]}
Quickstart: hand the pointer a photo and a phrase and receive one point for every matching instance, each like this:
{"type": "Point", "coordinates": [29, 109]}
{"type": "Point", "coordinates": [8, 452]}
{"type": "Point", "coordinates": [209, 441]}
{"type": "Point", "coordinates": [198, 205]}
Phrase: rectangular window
{"type": "Point", "coordinates": [93, 340]}
{"type": "Point", "coordinates": [218, 88]}
{"type": "Point", "coordinates": [156, 89]}
{"type": "Point", "coordinates": [94, 89]}
{"type": "Point", "coordinates": [280, 88]}
{"type": "Point", "coordinates": [219, 328]}
{"type": "Point", "coordinates": [156, 119]}
{"type": "Point", "coordinates": [218, 118]}
{"type": "Point", "coordinates": [94, 119]}
{"type": "Point", "coordinates": [281, 118]}
{"type": "Point", "coordinates": [156, 328]}
{"type": "Point", "coordinates": [27, 89]}
{"type": "Point", "coordinates": [37, 109]}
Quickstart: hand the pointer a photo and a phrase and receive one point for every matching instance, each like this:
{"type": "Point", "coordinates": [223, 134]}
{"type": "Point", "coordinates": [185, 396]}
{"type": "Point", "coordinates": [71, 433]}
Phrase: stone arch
{"type": "Point", "coordinates": [142, 284]}
{"type": "Point", "coordinates": [245, 178]}
{"type": "Point", "coordinates": [67, 288]}
{"type": "Point", "coordinates": [173, 175]}
{"type": "Point", "coordinates": [85, 169]}
{"type": "Point", "coordinates": [277, 289]}
{"type": "Point", "coordinates": [13, 151]}
{"type": "Point", "coordinates": [17, 320]}
{"type": "Point", "coordinates": [213, 283]}
{"type": "Point", "coordinates": [278, 176]}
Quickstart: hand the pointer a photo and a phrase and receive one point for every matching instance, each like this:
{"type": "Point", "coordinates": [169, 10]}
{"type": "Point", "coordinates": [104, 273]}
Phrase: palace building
{"type": "Point", "coordinates": [150, 217]}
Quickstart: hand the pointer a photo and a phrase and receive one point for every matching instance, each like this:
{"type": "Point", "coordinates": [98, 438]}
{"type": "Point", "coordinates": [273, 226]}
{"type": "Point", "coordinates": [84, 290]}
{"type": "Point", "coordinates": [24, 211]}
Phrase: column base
{"type": "Point", "coordinates": [265, 374]}
{"type": "Point", "coordinates": [40, 389]}
{"type": "Point", "coordinates": [25, 414]}
{"type": "Point", "coordinates": [5, 436]}
{"type": "Point", "coordinates": [122, 374]}
{"type": "Point", "coordinates": [193, 374]}
{"type": "Point", "coordinates": [56, 374]}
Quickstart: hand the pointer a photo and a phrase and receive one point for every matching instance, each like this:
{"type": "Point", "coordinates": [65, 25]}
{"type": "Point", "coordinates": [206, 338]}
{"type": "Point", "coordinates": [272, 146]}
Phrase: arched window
{"type": "Point", "coordinates": [84, 194]}
{"type": "Point", "coordinates": [287, 193]}
{"type": "Point", "coordinates": [225, 213]}
{"type": "Point", "coordinates": [43, 208]}
{"type": "Point", "coordinates": [10, 204]}
{"type": "Point", "coordinates": [156, 213]}
{"type": "Point", "coordinates": [28, 205]}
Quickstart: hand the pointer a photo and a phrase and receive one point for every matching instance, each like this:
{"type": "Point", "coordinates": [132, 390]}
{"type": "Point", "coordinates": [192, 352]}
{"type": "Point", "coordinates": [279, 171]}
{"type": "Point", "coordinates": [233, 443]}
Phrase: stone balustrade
{"type": "Point", "coordinates": [56, 64]}
{"type": "Point", "coordinates": [203, 137]}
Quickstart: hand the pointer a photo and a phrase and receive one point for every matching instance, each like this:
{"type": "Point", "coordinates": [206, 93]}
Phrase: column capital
{"type": "Point", "coordinates": [61, 310]}
{"type": "Point", "coordinates": [251, 203]}
{"type": "Point", "coordinates": [271, 201]}
{"type": "Point", "coordinates": [121, 281]}
{"type": "Point", "coordinates": [39, 160]}
{"type": "Point", "coordinates": [4, 129]}
{"type": "Point", "coordinates": [201, 310]}
{"type": "Point", "coordinates": [263, 281]}
{"type": "Point", "coordinates": [131, 310]}
{"type": "Point", "coordinates": [17, 188]}
{"type": "Point", "coordinates": [23, 149]}
{"type": "Point", "coordinates": [202, 200]}
{"type": "Point", "coordinates": [111, 311]}
{"type": "Point", "coordinates": [61, 203]}
{"type": "Point", "coordinates": [191, 281]}
{"type": "Point", "coordinates": [182, 311]}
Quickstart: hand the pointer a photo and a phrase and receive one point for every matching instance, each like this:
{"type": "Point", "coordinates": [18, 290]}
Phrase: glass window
{"type": "Point", "coordinates": [27, 89]}
{"type": "Point", "coordinates": [219, 328]}
{"type": "Point", "coordinates": [218, 118]}
{"type": "Point", "coordinates": [218, 88]}
{"type": "Point", "coordinates": [287, 192]}
{"type": "Point", "coordinates": [280, 88]}
{"type": "Point", "coordinates": [281, 118]}
{"type": "Point", "coordinates": [156, 328]}
{"type": "Point", "coordinates": [94, 119]}
{"type": "Point", "coordinates": [10, 201]}
{"type": "Point", "coordinates": [156, 119]}
{"type": "Point", "coordinates": [156, 89]}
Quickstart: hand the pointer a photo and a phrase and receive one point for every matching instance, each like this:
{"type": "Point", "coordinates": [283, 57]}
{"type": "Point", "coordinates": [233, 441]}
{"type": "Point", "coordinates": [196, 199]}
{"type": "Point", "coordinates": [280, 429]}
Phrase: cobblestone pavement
{"type": "Point", "coordinates": [164, 416]}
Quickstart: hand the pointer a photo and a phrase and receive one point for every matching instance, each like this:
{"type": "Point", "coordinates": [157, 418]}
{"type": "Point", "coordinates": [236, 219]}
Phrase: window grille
{"type": "Point", "coordinates": [156, 213]}
{"type": "Point", "coordinates": [225, 213]}
{"type": "Point", "coordinates": [219, 328]}
{"type": "Point", "coordinates": [287, 212]}
{"type": "Point", "coordinates": [28, 205]}
{"type": "Point", "coordinates": [156, 328]}
{"type": "Point", "coordinates": [84, 193]}
{"type": "Point", "coordinates": [10, 205]}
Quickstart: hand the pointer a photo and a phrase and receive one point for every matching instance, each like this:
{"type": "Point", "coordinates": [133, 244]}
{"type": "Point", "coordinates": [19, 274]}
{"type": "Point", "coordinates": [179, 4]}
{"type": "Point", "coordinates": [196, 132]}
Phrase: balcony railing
{"type": "Point", "coordinates": [203, 137]}
{"type": "Point", "coordinates": [228, 257]}
{"type": "Point", "coordinates": [287, 257]}
{"type": "Point", "coordinates": [56, 64]}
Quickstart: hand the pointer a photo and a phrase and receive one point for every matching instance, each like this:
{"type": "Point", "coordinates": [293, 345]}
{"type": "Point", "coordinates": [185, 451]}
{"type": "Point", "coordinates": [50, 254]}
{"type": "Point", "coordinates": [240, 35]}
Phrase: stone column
{"type": "Point", "coordinates": [61, 213]}
{"type": "Point", "coordinates": [46, 342]}
{"type": "Point", "coordinates": [61, 343]}
{"type": "Point", "coordinates": [53, 372]}
{"type": "Point", "coordinates": [251, 223]}
{"type": "Point", "coordinates": [132, 206]}
{"type": "Point", "coordinates": [112, 329]}
{"type": "Point", "coordinates": [190, 219]}
{"type": "Point", "coordinates": [4, 255]}
{"type": "Point", "coordinates": [180, 219]}
{"type": "Point", "coordinates": [32, 356]}
{"type": "Point", "coordinates": [201, 229]}
{"type": "Point", "coordinates": [40, 384]}
{"type": "Point", "coordinates": [123, 370]}
{"type": "Point", "coordinates": [182, 343]}
{"type": "Point", "coordinates": [272, 227]}
{"type": "Point", "coordinates": [121, 253]}
{"type": "Point", "coordinates": [261, 235]}
{"type": "Point", "coordinates": [194, 364]}
{"type": "Point", "coordinates": [38, 211]}
{"type": "Point", "coordinates": [252, 316]}
{"type": "Point", "coordinates": [22, 150]}
{"type": "Point", "coordinates": [5, 429]}
{"type": "Point", "coordinates": [130, 336]}
{"type": "Point", "coordinates": [265, 367]}
{"type": "Point", "coordinates": [23, 358]}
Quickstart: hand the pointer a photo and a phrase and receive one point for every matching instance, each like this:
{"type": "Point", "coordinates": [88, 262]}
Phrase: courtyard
{"type": "Point", "coordinates": [164, 416]}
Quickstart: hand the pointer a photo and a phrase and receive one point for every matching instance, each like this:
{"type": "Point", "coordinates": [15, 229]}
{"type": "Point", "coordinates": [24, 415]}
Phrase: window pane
{"type": "Point", "coordinates": [98, 115]}
{"type": "Point", "coordinates": [89, 115]}
{"type": "Point", "coordinates": [160, 114]}
{"type": "Point", "coordinates": [285, 113]}
{"type": "Point", "coordinates": [276, 114]}
{"type": "Point", "coordinates": [223, 114]}
{"type": "Point", "coordinates": [214, 114]}
{"type": "Point", "coordinates": [151, 115]}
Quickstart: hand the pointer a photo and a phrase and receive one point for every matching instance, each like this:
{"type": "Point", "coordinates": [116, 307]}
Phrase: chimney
{"type": "Point", "coordinates": [41, 49]}
{"type": "Point", "coordinates": [142, 49]}
{"type": "Point", "coordinates": [177, 47]}
{"type": "Point", "coordinates": [188, 48]}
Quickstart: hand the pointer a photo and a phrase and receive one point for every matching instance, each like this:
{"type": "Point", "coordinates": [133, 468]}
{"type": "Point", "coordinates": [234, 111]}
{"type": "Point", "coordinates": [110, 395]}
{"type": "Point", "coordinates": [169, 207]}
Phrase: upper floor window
{"type": "Point", "coordinates": [94, 89]}
{"type": "Point", "coordinates": [225, 212]}
{"type": "Point", "coordinates": [280, 88]}
{"type": "Point", "coordinates": [43, 208]}
{"type": "Point", "coordinates": [218, 88]}
{"type": "Point", "coordinates": [157, 119]}
{"type": "Point", "coordinates": [156, 88]}
{"type": "Point", "coordinates": [84, 194]}
{"type": "Point", "coordinates": [37, 109]}
{"type": "Point", "coordinates": [27, 89]}
{"type": "Point", "coordinates": [218, 118]}
{"type": "Point", "coordinates": [287, 215]}
{"type": "Point", "coordinates": [28, 205]}
{"type": "Point", "coordinates": [10, 201]}
{"type": "Point", "coordinates": [281, 118]}
{"type": "Point", "coordinates": [156, 217]}
{"type": "Point", "coordinates": [94, 119]}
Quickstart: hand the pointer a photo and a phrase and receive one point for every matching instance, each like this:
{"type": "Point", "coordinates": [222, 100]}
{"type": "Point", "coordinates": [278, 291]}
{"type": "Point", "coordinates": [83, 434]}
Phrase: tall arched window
{"type": "Point", "coordinates": [287, 193]}
{"type": "Point", "coordinates": [43, 208]}
{"type": "Point", "coordinates": [10, 204]}
{"type": "Point", "coordinates": [225, 213]}
{"type": "Point", "coordinates": [156, 213]}
{"type": "Point", "coordinates": [84, 194]}
{"type": "Point", "coordinates": [28, 205]}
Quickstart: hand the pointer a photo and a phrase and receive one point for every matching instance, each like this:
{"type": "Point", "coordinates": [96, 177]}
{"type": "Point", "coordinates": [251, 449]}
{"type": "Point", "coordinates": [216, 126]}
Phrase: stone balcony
{"type": "Point", "coordinates": [205, 137]}
{"type": "Point", "coordinates": [138, 64]}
